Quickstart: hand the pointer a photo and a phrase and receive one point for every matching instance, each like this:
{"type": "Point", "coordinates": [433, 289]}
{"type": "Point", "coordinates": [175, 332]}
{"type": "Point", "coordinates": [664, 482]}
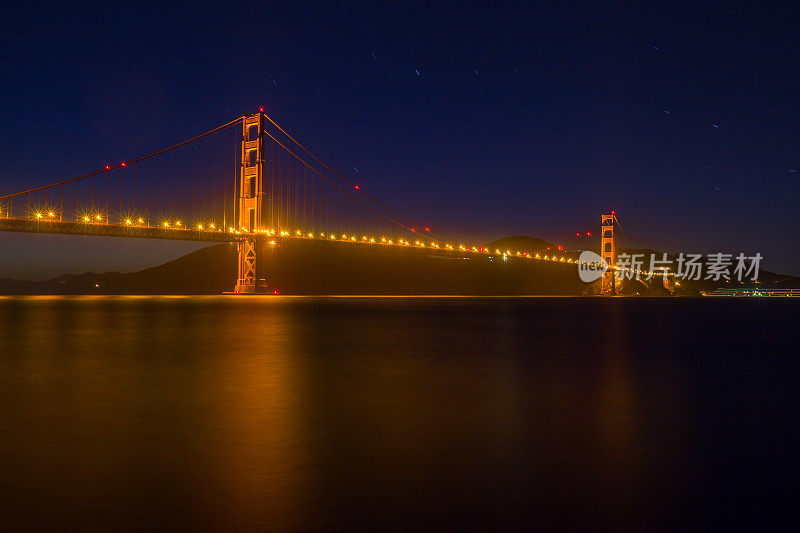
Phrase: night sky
{"type": "Point", "coordinates": [481, 121]}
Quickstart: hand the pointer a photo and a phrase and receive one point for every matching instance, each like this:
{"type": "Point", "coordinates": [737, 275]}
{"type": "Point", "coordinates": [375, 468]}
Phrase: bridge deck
{"type": "Point", "coordinates": [24, 225]}
{"type": "Point", "coordinates": [55, 227]}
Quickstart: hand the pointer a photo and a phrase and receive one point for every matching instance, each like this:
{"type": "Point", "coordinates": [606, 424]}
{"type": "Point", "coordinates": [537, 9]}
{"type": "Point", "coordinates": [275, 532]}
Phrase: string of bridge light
{"type": "Point", "coordinates": [166, 223]}
{"type": "Point", "coordinates": [174, 224]}
{"type": "Point", "coordinates": [273, 234]}
{"type": "Point", "coordinates": [177, 224]}
{"type": "Point", "coordinates": [134, 221]}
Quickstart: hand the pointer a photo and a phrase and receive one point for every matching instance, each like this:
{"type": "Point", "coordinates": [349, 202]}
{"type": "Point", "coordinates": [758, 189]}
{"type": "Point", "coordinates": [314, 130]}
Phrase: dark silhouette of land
{"type": "Point", "coordinates": [320, 267]}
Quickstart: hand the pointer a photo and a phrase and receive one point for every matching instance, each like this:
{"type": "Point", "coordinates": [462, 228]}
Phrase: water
{"type": "Point", "coordinates": [396, 413]}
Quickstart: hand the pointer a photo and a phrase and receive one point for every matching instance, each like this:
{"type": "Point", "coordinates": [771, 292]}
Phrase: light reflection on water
{"type": "Point", "coordinates": [383, 413]}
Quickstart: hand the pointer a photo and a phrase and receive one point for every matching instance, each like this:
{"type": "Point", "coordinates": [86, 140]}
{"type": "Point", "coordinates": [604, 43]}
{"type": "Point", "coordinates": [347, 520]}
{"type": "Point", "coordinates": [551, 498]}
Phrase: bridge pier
{"type": "Point", "coordinates": [252, 279]}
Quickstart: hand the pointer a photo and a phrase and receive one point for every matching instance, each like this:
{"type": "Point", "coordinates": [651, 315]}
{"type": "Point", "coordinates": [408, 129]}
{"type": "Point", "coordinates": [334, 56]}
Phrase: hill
{"type": "Point", "coordinates": [205, 271]}
{"type": "Point", "coordinates": [322, 267]}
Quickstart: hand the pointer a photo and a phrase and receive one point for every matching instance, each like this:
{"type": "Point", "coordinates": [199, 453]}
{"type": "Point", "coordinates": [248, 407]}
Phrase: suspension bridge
{"type": "Point", "coordinates": [248, 182]}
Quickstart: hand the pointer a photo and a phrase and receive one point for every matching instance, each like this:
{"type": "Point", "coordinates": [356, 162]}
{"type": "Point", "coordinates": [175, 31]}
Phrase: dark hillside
{"type": "Point", "coordinates": [321, 267]}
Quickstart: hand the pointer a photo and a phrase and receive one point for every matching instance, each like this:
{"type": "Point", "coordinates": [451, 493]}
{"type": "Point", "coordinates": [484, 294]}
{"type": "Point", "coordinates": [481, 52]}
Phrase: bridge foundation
{"type": "Point", "coordinates": [251, 265]}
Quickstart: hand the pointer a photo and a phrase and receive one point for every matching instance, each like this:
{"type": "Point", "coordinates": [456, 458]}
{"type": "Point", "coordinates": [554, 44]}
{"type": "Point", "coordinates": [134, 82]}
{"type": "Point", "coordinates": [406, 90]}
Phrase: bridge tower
{"type": "Point", "coordinates": [251, 196]}
{"type": "Point", "coordinates": [608, 251]}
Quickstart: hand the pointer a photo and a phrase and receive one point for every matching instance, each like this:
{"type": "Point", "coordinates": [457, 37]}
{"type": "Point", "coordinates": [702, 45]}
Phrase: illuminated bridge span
{"type": "Point", "coordinates": [248, 181]}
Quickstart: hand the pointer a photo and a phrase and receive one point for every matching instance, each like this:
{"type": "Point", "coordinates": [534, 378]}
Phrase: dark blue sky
{"type": "Point", "coordinates": [481, 120]}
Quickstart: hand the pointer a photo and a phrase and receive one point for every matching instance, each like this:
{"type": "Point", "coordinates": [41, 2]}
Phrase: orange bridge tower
{"type": "Point", "coordinates": [251, 278]}
{"type": "Point", "coordinates": [608, 251]}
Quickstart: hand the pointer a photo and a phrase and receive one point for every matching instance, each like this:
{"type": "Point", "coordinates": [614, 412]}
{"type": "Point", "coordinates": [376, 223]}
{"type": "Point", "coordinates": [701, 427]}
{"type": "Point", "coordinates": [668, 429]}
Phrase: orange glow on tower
{"type": "Point", "coordinates": [608, 251]}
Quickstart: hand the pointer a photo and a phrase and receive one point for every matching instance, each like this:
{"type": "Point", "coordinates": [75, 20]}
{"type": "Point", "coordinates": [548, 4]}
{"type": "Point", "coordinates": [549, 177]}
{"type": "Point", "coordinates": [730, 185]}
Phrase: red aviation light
{"type": "Point", "coordinates": [577, 234]}
{"type": "Point", "coordinates": [588, 233]}
{"type": "Point", "coordinates": [260, 109]}
{"type": "Point", "coordinates": [108, 167]}
{"type": "Point", "coordinates": [276, 292]}
{"type": "Point", "coordinates": [560, 248]}
{"type": "Point", "coordinates": [427, 228]}
{"type": "Point", "coordinates": [124, 164]}
{"type": "Point", "coordinates": [357, 187]}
